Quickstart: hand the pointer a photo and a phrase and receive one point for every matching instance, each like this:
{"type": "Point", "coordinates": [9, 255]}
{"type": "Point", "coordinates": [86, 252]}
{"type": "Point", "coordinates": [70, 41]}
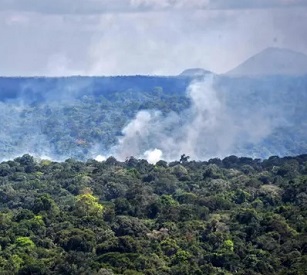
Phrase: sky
{"type": "Point", "coordinates": [156, 37]}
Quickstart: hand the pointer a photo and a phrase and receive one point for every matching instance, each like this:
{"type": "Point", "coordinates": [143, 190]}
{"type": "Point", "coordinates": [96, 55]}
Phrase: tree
{"type": "Point", "coordinates": [184, 158]}
{"type": "Point", "coordinates": [88, 205]}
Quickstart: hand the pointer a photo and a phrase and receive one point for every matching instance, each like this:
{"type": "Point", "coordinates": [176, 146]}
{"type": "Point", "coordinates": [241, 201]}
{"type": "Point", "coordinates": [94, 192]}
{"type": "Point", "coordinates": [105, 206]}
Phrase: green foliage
{"type": "Point", "coordinates": [215, 217]}
{"type": "Point", "coordinates": [87, 204]}
{"type": "Point", "coordinates": [228, 245]}
{"type": "Point", "coordinates": [24, 242]}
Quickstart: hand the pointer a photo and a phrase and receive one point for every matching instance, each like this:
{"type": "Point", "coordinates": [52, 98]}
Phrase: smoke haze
{"type": "Point", "coordinates": [214, 116]}
{"type": "Point", "coordinates": [211, 127]}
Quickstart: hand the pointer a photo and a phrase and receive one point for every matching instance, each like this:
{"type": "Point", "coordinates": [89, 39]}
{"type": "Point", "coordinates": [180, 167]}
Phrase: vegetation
{"type": "Point", "coordinates": [230, 216]}
{"type": "Point", "coordinates": [76, 117]}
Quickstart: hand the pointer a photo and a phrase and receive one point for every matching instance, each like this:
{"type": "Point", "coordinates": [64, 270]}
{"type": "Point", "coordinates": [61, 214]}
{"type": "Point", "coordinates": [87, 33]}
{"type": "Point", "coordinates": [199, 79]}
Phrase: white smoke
{"type": "Point", "coordinates": [153, 156]}
{"type": "Point", "coordinates": [100, 158]}
{"type": "Point", "coordinates": [211, 127]}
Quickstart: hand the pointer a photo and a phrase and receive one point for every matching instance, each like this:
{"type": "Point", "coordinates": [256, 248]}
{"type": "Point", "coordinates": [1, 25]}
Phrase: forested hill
{"type": "Point", "coordinates": [38, 89]}
{"type": "Point", "coordinates": [82, 117]}
{"type": "Point", "coordinates": [229, 216]}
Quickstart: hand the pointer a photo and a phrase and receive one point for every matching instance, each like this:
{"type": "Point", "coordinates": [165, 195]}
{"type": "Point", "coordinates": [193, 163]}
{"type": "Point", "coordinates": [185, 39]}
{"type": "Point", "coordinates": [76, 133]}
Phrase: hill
{"type": "Point", "coordinates": [195, 72]}
{"type": "Point", "coordinates": [272, 61]}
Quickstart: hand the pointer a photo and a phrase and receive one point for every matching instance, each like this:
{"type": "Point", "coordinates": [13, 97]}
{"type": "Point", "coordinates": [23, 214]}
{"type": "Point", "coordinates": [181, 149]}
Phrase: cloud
{"type": "Point", "coordinates": [17, 19]}
{"type": "Point", "coordinates": [168, 42]}
{"type": "Point", "coordinates": [64, 6]}
{"type": "Point", "coordinates": [169, 4]}
{"type": "Point", "coordinates": [289, 30]}
{"type": "Point", "coordinates": [106, 6]}
{"type": "Point", "coordinates": [59, 65]}
{"type": "Point", "coordinates": [119, 37]}
{"type": "Point", "coordinates": [255, 4]}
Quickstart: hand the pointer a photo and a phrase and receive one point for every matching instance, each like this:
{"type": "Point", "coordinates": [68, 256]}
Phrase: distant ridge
{"type": "Point", "coordinates": [195, 72]}
{"type": "Point", "coordinates": [272, 61]}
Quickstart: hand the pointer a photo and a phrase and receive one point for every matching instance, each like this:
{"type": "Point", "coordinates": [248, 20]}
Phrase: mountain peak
{"type": "Point", "coordinates": [272, 61]}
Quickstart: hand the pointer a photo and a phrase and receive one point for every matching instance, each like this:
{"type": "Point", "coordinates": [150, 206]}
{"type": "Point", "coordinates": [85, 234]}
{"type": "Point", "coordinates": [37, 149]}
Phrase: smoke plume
{"type": "Point", "coordinates": [211, 127]}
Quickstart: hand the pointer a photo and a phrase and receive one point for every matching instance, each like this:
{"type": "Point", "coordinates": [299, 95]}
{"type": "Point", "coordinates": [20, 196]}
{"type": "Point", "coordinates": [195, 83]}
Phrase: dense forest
{"type": "Point", "coordinates": [75, 116]}
{"type": "Point", "coordinates": [81, 117]}
{"type": "Point", "coordinates": [221, 216]}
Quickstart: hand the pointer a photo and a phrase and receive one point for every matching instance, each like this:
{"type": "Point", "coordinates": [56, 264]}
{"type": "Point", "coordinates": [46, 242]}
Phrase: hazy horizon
{"type": "Point", "coordinates": [143, 37]}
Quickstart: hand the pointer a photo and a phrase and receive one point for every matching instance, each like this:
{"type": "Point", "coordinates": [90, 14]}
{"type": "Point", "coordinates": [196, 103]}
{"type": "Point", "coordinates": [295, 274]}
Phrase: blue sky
{"type": "Point", "coordinates": [68, 37]}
